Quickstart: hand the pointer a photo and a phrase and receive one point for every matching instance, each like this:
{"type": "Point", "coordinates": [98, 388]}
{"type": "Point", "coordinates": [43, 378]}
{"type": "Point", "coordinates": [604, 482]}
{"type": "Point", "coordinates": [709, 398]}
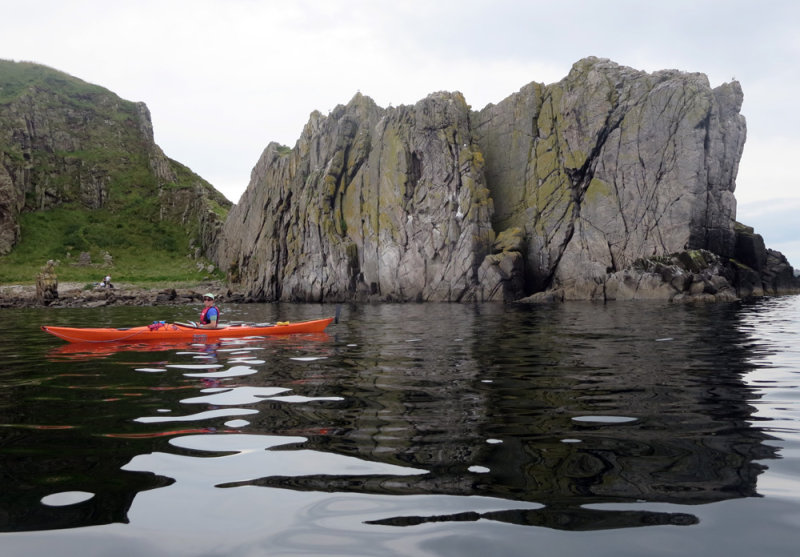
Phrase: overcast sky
{"type": "Point", "coordinates": [223, 78]}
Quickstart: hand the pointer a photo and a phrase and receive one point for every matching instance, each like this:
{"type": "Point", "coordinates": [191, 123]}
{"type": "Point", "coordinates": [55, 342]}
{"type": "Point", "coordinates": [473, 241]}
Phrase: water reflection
{"type": "Point", "coordinates": [569, 518]}
{"type": "Point", "coordinates": [550, 410]}
{"type": "Point", "coordinates": [94, 350]}
{"type": "Point", "coordinates": [567, 406]}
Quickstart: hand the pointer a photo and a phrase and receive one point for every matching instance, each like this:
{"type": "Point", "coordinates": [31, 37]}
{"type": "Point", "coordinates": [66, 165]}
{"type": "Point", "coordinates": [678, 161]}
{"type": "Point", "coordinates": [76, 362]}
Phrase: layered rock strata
{"type": "Point", "coordinates": [611, 165]}
{"type": "Point", "coordinates": [561, 189]}
{"type": "Point", "coordinates": [372, 203]}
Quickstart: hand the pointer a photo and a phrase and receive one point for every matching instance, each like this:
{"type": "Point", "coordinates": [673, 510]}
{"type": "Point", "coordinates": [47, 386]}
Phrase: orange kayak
{"type": "Point", "coordinates": [182, 331]}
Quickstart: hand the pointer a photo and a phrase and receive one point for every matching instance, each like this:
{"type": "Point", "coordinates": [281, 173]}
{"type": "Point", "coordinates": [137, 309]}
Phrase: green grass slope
{"type": "Point", "coordinates": [82, 164]}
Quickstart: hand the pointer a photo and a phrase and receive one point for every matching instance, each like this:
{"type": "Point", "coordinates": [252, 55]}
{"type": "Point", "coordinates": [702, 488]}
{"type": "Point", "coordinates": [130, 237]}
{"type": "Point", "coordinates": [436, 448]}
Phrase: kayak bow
{"type": "Point", "coordinates": [182, 331]}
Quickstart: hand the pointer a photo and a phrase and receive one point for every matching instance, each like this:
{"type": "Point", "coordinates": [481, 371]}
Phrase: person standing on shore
{"type": "Point", "coordinates": [210, 314]}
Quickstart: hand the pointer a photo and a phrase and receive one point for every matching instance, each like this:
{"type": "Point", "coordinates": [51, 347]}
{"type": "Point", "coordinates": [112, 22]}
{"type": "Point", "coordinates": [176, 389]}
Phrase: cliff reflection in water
{"type": "Point", "coordinates": [565, 406]}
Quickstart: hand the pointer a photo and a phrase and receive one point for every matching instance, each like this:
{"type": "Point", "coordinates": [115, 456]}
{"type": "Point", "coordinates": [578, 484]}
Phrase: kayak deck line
{"type": "Point", "coordinates": [176, 331]}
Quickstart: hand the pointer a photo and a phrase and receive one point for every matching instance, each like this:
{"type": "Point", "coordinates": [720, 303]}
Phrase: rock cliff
{"type": "Point", "coordinates": [64, 142]}
{"type": "Point", "coordinates": [610, 184]}
{"type": "Point", "coordinates": [371, 203]}
{"type": "Point", "coordinates": [611, 165]}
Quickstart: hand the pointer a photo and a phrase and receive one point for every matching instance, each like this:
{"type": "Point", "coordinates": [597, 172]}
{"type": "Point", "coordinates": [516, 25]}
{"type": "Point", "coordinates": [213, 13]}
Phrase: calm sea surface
{"type": "Point", "coordinates": [628, 429]}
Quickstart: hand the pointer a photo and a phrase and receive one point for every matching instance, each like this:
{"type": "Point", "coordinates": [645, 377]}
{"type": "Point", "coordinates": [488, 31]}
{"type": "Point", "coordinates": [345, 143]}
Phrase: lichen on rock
{"type": "Point", "coordinates": [372, 203]}
{"type": "Point", "coordinates": [578, 181]}
{"type": "Point", "coordinates": [47, 284]}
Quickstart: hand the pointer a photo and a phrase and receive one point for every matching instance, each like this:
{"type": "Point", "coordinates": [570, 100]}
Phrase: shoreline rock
{"type": "Point", "coordinates": [74, 295]}
{"type": "Point", "coordinates": [687, 276]}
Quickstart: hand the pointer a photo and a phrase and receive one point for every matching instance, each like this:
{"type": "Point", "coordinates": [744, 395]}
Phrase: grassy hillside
{"type": "Point", "coordinates": [87, 178]}
{"type": "Point", "coordinates": [142, 251]}
{"type": "Point", "coordinates": [17, 77]}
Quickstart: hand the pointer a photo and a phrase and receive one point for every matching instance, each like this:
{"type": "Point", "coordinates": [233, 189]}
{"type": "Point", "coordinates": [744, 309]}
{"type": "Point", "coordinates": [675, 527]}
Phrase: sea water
{"type": "Point", "coordinates": [408, 429]}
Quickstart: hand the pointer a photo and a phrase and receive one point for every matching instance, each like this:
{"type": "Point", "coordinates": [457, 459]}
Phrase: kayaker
{"type": "Point", "coordinates": [210, 313]}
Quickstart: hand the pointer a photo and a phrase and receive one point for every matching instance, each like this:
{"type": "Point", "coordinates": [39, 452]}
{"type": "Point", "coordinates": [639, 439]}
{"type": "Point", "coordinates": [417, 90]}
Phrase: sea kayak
{"type": "Point", "coordinates": [182, 331]}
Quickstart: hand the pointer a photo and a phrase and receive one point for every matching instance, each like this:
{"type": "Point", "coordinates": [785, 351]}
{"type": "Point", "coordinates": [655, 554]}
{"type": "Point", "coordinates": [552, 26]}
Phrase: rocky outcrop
{"type": "Point", "coordinates": [76, 295]}
{"type": "Point", "coordinates": [372, 203]}
{"type": "Point", "coordinates": [760, 271]}
{"type": "Point", "coordinates": [502, 273]}
{"type": "Point", "coordinates": [64, 142]}
{"type": "Point", "coordinates": [47, 284]}
{"type": "Point", "coordinates": [611, 165]}
{"type": "Point", "coordinates": [687, 276]}
{"type": "Point", "coordinates": [561, 189]}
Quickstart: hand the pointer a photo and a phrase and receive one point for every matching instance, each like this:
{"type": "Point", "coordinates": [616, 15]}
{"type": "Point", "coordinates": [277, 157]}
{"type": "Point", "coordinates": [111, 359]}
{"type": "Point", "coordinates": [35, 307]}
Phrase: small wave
{"type": "Point", "coordinates": [222, 412]}
{"type": "Point", "coordinates": [235, 371]}
{"type": "Point", "coordinates": [604, 419]}
{"type": "Point", "coordinates": [300, 399]}
{"type": "Point", "coordinates": [479, 469]}
{"type": "Point", "coordinates": [237, 396]}
{"type": "Point", "coordinates": [194, 366]}
{"type": "Point", "coordinates": [65, 498]}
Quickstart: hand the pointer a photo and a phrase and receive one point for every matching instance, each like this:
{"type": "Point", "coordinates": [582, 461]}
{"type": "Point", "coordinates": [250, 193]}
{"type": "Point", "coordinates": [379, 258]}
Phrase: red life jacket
{"type": "Point", "coordinates": [205, 320]}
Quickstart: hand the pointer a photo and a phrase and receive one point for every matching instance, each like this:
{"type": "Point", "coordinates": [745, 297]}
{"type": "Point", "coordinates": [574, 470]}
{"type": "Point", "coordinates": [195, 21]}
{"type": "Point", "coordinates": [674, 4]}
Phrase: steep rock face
{"type": "Point", "coordinates": [610, 184]}
{"type": "Point", "coordinates": [371, 204]}
{"type": "Point", "coordinates": [611, 165]}
{"type": "Point", "coordinates": [9, 209]}
{"type": "Point", "coordinates": [64, 141]}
